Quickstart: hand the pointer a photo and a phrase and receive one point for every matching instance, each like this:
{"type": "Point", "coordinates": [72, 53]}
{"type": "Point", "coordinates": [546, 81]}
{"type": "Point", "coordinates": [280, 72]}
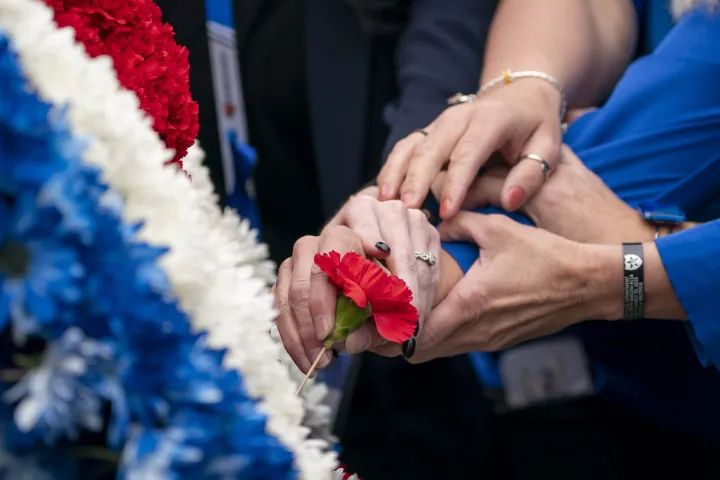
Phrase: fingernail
{"type": "Point", "coordinates": [384, 191]}
{"type": "Point", "coordinates": [408, 348]}
{"type": "Point", "coordinates": [407, 197]}
{"type": "Point", "coordinates": [326, 325]}
{"type": "Point", "coordinates": [417, 329]}
{"type": "Point", "coordinates": [383, 246]}
{"type": "Point", "coordinates": [358, 342]}
{"type": "Point", "coordinates": [516, 197]}
{"type": "Point", "coordinates": [445, 207]}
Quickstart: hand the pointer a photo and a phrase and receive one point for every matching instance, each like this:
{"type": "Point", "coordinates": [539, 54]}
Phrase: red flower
{"type": "Point", "coordinates": [145, 56]}
{"type": "Point", "coordinates": [365, 282]}
{"type": "Point", "coordinates": [345, 475]}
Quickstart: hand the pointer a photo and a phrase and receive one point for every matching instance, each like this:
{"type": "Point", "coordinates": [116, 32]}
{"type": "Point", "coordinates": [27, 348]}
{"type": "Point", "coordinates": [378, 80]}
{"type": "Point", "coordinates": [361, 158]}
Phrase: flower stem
{"type": "Point", "coordinates": [312, 369]}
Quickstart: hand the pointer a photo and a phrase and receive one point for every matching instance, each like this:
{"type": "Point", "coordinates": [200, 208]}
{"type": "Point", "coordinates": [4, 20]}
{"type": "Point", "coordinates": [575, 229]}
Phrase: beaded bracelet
{"type": "Point", "coordinates": [508, 77]}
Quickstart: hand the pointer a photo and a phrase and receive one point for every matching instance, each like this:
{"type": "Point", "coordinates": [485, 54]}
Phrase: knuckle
{"type": "Point", "coordinates": [338, 232]}
{"type": "Point", "coordinates": [429, 150]}
{"type": "Point", "coordinates": [434, 234]}
{"type": "Point", "coordinates": [496, 221]}
{"type": "Point", "coordinates": [396, 207]}
{"type": "Point", "coordinates": [303, 244]}
{"type": "Point", "coordinates": [404, 144]}
{"type": "Point", "coordinates": [360, 202]}
{"type": "Point", "coordinates": [463, 155]}
{"type": "Point", "coordinates": [407, 261]}
{"type": "Point", "coordinates": [417, 217]}
{"type": "Point", "coordinates": [285, 268]}
{"type": "Point", "coordinates": [471, 302]}
{"type": "Point", "coordinates": [299, 293]}
{"type": "Point", "coordinates": [341, 239]}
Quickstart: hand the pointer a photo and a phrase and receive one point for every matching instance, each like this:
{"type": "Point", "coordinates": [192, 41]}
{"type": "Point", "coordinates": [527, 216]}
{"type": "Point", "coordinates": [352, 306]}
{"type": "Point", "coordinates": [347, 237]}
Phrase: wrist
{"type": "Point", "coordinates": [602, 277]}
{"type": "Point", "coordinates": [537, 91]}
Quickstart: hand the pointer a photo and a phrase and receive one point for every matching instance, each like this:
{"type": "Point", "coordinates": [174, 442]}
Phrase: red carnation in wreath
{"type": "Point", "coordinates": [367, 290]}
{"type": "Point", "coordinates": [146, 58]}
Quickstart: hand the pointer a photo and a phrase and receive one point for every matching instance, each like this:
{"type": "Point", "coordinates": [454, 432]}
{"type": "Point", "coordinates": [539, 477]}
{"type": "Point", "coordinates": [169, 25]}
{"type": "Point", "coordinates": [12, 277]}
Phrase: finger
{"type": "Point", "coordinates": [486, 189]}
{"type": "Point", "coordinates": [568, 157]}
{"type": "Point", "coordinates": [393, 219]}
{"type": "Point", "coordinates": [432, 153]}
{"type": "Point", "coordinates": [393, 172]}
{"type": "Point", "coordinates": [482, 230]}
{"type": "Point", "coordinates": [443, 323]}
{"type": "Point", "coordinates": [285, 321]}
{"type": "Point", "coordinates": [323, 296]}
{"type": "Point", "coordinates": [574, 113]}
{"type": "Point", "coordinates": [527, 177]}
{"type": "Point", "coordinates": [387, 350]}
{"type": "Point", "coordinates": [425, 239]}
{"type": "Point", "coordinates": [363, 339]}
{"type": "Point", "coordinates": [360, 218]}
{"type": "Point", "coordinates": [482, 138]}
{"type": "Point", "coordinates": [303, 262]}
{"type": "Point", "coordinates": [339, 218]}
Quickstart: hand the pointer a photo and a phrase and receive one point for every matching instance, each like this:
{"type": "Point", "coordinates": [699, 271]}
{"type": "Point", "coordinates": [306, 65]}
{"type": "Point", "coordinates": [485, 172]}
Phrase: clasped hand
{"type": "Point", "coordinates": [384, 230]}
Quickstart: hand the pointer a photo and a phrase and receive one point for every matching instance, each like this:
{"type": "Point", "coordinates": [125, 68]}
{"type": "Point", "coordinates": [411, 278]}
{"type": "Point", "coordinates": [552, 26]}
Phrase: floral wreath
{"type": "Point", "coordinates": [134, 314]}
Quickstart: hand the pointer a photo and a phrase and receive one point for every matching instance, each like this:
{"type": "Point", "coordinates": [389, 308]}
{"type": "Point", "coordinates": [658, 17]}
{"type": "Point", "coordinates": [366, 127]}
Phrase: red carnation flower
{"type": "Point", "coordinates": [386, 297]}
{"type": "Point", "coordinates": [146, 58]}
{"type": "Point", "coordinates": [342, 474]}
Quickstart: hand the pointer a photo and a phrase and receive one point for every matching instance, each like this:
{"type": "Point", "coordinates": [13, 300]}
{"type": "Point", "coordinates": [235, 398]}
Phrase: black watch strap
{"type": "Point", "coordinates": [633, 281]}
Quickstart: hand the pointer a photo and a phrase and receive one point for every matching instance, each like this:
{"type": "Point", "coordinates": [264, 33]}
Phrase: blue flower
{"type": "Point", "coordinates": [73, 273]}
{"type": "Point", "coordinates": [40, 271]}
{"type": "Point", "coordinates": [68, 391]}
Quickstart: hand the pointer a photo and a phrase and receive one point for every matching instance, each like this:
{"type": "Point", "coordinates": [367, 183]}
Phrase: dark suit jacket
{"type": "Point", "coordinates": [440, 53]}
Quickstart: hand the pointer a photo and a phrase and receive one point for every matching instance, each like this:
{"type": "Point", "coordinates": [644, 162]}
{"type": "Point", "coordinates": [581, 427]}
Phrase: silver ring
{"type": "Point", "coordinates": [427, 257]}
{"type": "Point", "coordinates": [546, 167]}
{"type": "Point", "coordinates": [460, 98]}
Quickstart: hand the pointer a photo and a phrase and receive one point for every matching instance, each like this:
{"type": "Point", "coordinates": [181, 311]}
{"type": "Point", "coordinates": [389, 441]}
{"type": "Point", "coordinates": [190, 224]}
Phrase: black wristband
{"type": "Point", "coordinates": [633, 281]}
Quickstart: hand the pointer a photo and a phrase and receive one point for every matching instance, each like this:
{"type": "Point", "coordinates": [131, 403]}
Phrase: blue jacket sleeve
{"type": "Point", "coordinates": [439, 54]}
{"type": "Point", "coordinates": [692, 262]}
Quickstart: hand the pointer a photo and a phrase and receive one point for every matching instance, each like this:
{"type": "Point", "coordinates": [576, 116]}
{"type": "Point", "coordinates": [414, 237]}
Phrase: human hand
{"type": "Point", "coordinates": [513, 120]}
{"type": "Point", "coordinates": [306, 300]}
{"type": "Point", "coordinates": [574, 203]}
{"type": "Point", "coordinates": [527, 283]}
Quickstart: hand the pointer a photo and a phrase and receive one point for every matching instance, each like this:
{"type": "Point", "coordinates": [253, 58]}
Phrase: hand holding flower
{"type": "Point", "coordinates": [307, 301]}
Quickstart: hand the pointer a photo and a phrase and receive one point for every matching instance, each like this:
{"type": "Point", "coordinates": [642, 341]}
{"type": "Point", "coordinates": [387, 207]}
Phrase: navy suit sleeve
{"type": "Point", "coordinates": [692, 262]}
{"type": "Point", "coordinates": [439, 54]}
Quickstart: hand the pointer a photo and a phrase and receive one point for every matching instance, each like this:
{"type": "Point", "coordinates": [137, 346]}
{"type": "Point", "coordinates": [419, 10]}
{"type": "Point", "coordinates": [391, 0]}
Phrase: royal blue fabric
{"type": "Point", "coordinates": [692, 262]}
{"type": "Point", "coordinates": [657, 139]}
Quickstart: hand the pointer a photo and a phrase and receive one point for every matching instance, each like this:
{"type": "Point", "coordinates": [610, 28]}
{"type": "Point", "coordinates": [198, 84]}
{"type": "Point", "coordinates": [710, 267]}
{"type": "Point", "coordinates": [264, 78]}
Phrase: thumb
{"type": "Point", "coordinates": [568, 157]}
{"type": "Point", "coordinates": [478, 228]}
{"type": "Point", "coordinates": [444, 327]}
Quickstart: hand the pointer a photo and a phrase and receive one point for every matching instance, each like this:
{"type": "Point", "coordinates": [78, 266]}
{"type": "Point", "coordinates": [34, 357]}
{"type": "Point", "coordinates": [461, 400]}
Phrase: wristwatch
{"type": "Point", "coordinates": [662, 215]}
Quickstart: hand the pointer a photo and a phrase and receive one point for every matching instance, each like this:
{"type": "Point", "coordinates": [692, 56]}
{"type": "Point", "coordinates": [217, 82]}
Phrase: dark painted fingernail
{"type": "Point", "coordinates": [417, 329]}
{"type": "Point", "coordinates": [383, 246]}
{"type": "Point", "coordinates": [336, 354]}
{"type": "Point", "coordinates": [408, 348]}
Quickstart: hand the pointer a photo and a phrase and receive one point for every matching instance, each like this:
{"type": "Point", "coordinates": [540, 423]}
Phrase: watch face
{"type": "Point", "coordinates": [659, 213]}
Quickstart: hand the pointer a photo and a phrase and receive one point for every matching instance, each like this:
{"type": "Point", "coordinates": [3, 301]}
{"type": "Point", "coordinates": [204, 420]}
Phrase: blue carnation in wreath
{"type": "Point", "coordinates": [98, 363]}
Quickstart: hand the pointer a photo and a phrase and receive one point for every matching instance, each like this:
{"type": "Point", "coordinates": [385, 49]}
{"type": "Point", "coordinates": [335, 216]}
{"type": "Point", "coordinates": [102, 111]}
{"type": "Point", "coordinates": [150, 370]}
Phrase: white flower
{"type": "Point", "coordinates": [217, 269]}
